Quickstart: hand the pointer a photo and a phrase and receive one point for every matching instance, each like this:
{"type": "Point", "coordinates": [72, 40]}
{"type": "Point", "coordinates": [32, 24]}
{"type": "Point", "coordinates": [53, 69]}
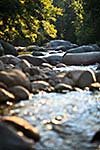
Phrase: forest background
{"type": "Point", "coordinates": [38, 21]}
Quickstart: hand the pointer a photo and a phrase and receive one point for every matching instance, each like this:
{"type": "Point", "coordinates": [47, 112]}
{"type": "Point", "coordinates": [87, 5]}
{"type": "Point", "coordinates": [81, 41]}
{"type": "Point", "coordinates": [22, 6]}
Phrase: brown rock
{"type": "Point", "coordinates": [20, 92]}
{"type": "Point", "coordinates": [5, 95]}
{"type": "Point", "coordinates": [41, 86]}
{"type": "Point", "coordinates": [10, 140]}
{"type": "Point", "coordinates": [2, 85]}
{"type": "Point", "coordinates": [24, 65]}
{"type": "Point", "coordinates": [82, 78]}
{"type": "Point", "coordinates": [22, 125]}
{"type": "Point", "coordinates": [62, 87]}
{"type": "Point", "coordinates": [16, 133]}
{"type": "Point", "coordinates": [15, 77]}
{"type": "Point", "coordinates": [63, 78]}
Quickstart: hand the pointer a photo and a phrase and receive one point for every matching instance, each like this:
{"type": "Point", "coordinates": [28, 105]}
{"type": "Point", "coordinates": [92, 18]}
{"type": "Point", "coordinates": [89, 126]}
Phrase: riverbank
{"type": "Point", "coordinates": [55, 97]}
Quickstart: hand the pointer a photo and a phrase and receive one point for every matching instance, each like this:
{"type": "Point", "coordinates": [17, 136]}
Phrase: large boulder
{"type": "Point", "coordinates": [17, 134]}
{"type": "Point", "coordinates": [20, 93]}
{"type": "Point", "coordinates": [60, 44]}
{"type": "Point", "coordinates": [82, 78]}
{"type": "Point", "coordinates": [8, 48]}
{"type": "Point", "coordinates": [81, 58]}
{"type": "Point", "coordinates": [15, 77]}
{"type": "Point", "coordinates": [9, 140]}
{"type": "Point", "coordinates": [85, 48]}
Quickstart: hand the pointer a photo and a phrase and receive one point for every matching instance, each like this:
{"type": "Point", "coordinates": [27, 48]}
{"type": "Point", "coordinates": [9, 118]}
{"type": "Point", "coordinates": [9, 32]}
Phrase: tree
{"type": "Point", "coordinates": [64, 24]}
{"type": "Point", "coordinates": [87, 22]}
{"type": "Point", "coordinates": [28, 19]}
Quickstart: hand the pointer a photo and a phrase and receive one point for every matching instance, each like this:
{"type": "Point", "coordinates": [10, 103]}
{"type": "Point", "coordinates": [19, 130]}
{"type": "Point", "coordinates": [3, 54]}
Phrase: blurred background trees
{"type": "Point", "coordinates": [28, 19]}
{"type": "Point", "coordinates": [80, 21]}
{"type": "Point", "coordinates": [41, 20]}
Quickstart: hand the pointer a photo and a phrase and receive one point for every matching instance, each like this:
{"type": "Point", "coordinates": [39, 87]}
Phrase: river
{"type": "Point", "coordinates": [65, 121]}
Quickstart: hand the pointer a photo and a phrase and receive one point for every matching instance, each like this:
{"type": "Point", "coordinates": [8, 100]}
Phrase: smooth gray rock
{"type": "Point", "coordinates": [85, 48]}
{"type": "Point", "coordinates": [60, 45]}
{"type": "Point", "coordinates": [81, 58]}
{"type": "Point", "coordinates": [36, 61]}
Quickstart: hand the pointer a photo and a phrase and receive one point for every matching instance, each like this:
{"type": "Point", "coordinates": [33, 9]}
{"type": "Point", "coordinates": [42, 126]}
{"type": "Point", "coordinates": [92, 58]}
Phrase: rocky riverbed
{"type": "Point", "coordinates": [61, 100]}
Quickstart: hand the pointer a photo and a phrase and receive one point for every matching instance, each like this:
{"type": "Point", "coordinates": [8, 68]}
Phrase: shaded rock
{"type": "Point", "coordinates": [2, 67]}
{"type": "Point", "coordinates": [36, 53]}
{"type": "Point", "coordinates": [53, 59]}
{"type": "Point", "coordinates": [60, 65]}
{"type": "Point", "coordinates": [68, 81]}
{"type": "Point", "coordinates": [63, 48]}
{"type": "Point", "coordinates": [82, 78]}
{"type": "Point", "coordinates": [81, 58]}
{"type": "Point", "coordinates": [15, 77]}
{"type": "Point", "coordinates": [33, 60]}
{"type": "Point", "coordinates": [8, 48]}
{"type": "Point", "coordinates": [96, 137]}
{"type": "Point", "coordinates": [1, 50]}
{"type": "Point", "coordinates": [6, 95]}
{"type": "Point", "coordinates": [59, 44]}
{"type": "Point", "coordinates": [9, 59]}
{"type": "Point", "coordinates": [41, 86]}
{"type": "Point", "coordinates": [24, 65]}
{"type": "Point", "coordinates": [64, 78]}
{"type": "Point", "coordinates": [97, 73]}
{"type": "Point", "coordinates": [62, 87]}
{"type": "Point", "coordinates": [9, 140]}
{"type": "Point", "coordinates": [47, 65]}
{"type": "Point", "coordinates": [32, 48]}
{"type": "Point", "coordinates": [34, 71]}
{"type": "Point", "coordinates": [4, 86]}
{"type": "Point", "coordinates": [20, 93]}
{"type": "Point", "coordinates": [16, 133]}
{"type": "Point", "coordinates": [85, 48]}
{"type": "Point", "coordinates": [9, 67]}
{"type": "Point", "coordinates": [22, 125]}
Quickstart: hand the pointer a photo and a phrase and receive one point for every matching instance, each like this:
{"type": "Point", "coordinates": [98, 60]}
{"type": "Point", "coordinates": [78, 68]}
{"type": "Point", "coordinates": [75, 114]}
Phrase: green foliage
{"type": "Point", "coordinates": [87, 22]}
{"type": "Point", "coordinates": [64, 24]}
{"type": "Point", "coordinates": [80, 21]}
{"type": "Point", "coordinates": [28, 19]}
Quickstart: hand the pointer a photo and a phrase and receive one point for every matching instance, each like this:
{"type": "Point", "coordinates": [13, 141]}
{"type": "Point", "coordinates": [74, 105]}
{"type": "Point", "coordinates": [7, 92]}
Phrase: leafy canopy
{"type": "Point", "coordinates": [30, 19]}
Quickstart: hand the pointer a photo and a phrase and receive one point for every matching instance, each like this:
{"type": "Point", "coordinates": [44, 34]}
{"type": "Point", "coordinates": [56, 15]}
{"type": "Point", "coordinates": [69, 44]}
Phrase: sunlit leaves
{"type": "Point", "coordinates": [28, 18]}
{"type": "Point", "coordinates": [49, 29]}
{"type": "Point", "coordinates": [78, 8]}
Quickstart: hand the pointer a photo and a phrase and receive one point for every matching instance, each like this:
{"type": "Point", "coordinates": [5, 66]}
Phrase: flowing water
{"type": "Point", "coordinates": [65, 121]}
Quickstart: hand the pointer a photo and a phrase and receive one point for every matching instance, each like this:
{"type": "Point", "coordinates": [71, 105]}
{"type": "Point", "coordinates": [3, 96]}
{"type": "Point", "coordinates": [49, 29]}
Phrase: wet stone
{"type": "Point", "coordinates": [61, 87]}
{"type": "Point", "coordinates": [6, 95]}
{"type": "Point", "coordinates": [41, 86]}
{"type": "Point", "coordinates": [20, 93]}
